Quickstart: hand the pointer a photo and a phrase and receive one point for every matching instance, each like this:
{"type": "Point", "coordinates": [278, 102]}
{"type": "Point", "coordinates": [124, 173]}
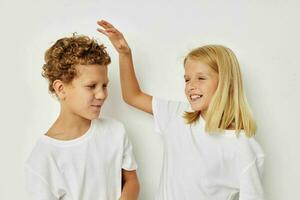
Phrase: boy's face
{"type": "Point", "coordinates": [87, 92]}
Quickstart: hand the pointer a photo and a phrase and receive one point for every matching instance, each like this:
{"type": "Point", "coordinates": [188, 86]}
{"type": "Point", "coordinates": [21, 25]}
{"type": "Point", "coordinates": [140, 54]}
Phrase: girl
{"type": "Point", "coordinates": [209, 149]}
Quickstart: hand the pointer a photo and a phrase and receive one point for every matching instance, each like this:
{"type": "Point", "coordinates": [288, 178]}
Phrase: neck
{"type": "Point", "coordinates": [72, 122]}
{"type": "Point", "coordinates": [230, 127]}
{"type": "Point", "coordinates": [203, 114]}
{"type": "Point", "coordinates": [68, 126]}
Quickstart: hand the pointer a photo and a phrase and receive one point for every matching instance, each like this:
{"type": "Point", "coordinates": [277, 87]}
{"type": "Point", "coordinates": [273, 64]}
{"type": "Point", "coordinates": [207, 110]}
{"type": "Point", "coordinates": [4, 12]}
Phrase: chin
{"type": "Point", "coordinates": [95, 116]}
{"type": "Point", "coordinates": [195, 107]}
{"type": "Point", "coordinates": [92, 116]}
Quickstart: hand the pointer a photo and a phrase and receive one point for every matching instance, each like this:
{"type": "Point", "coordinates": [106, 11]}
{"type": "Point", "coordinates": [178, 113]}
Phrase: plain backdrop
{"type": "Point", "coordinates": [265, 36]}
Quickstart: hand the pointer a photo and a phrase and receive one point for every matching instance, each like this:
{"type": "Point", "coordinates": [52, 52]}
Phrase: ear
{"type": "Point", "coordinates": [60, 89]}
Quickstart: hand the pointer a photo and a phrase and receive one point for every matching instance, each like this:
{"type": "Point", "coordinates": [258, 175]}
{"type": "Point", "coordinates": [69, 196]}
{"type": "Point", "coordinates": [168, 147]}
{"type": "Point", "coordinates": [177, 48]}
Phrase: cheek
{"type": "Point", "coordinates": [106, 94]}
{"type": "Point", "coordinates": [208, 90]}
{"type": "Point", "coordinates": [87, 97]}
{"type": "Point", "coordinates": [213, 88]}
{"type": "Point", "coordinates": [185, 89]}
{"type": "Point", "coordinates": [74, 97]}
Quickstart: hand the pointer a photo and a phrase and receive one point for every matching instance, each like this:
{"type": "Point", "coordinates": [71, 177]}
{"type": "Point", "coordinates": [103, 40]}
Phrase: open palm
{"type": "Point", "coordinates": [115, 36]}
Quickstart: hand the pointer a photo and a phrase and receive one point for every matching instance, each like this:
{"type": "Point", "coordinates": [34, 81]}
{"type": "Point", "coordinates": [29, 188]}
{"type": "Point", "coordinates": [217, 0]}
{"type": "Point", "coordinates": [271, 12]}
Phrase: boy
{"type": "Point", "coordinates": [81, 157]}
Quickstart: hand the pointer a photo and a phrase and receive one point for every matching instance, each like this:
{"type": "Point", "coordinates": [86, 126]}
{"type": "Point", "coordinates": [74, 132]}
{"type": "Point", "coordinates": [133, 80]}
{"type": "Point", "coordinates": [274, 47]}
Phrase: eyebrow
{"type": "Point", "coordinates": [200, 73]}
{"type": "Point", "coordinates": [95, 82]}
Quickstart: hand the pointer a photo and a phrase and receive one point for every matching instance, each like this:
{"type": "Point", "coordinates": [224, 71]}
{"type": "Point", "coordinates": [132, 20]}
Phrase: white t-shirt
{"type": "Point", "coordinates": [86, 168]}
{"type": "Point", "coordinates": [202, 166]}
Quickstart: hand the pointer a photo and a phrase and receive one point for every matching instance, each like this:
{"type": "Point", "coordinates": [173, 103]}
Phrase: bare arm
{"type": "Point", "coordinates": [131, 186]}
{"type": "Point", "coordinates": [131, 92]}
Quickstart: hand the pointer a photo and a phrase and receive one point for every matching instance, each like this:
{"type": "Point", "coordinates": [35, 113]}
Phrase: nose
{"type": "Point", "coordinates": [101, 94]}
{"type": "Point", "coordinates": [191, 85]}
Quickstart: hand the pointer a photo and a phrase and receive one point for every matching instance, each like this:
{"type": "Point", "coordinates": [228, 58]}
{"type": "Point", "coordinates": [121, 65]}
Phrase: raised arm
{"type": "Point", "coordinates": [131, 92]}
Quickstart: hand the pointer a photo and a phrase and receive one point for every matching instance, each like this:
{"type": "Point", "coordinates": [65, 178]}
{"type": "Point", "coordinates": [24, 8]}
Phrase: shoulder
{"type": "Point", "coordinates": [40, 156]}
{"type": "Point", "coordinates": [170, 106]}
{"type": "Point", "coordinates": [249, 150]}
{"type": "Point", "coordinates": [249, 144]}
{"type": "Point", "coordinates": [110, 125]}
{"type": "Point", "coordinates": [108, 122]}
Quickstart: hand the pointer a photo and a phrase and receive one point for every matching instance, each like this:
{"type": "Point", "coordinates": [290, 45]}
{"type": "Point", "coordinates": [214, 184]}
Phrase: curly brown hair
{"type": "Point", "coordinates": [62, 57]}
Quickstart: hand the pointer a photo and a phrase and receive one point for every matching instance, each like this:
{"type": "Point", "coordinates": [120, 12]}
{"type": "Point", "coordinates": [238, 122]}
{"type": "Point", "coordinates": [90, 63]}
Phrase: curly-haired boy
{"type": "Point", "coordinates": [81, 157]}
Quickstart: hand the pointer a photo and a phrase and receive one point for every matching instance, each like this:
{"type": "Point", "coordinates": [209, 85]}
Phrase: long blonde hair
{"type": "Point", "coordinates": [228, 105]}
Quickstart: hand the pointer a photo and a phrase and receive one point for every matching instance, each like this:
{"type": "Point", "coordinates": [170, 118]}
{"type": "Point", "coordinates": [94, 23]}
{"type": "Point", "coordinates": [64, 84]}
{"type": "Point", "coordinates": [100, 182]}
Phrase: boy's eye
{"type": "Point", "coordinates": [91, 86]}
{"type": "Point", "coordinates": [104, 85]}
{"type": "Point", "coordinates": [186, 80]}
{"type": "Point", "coordinates": [201, 78]}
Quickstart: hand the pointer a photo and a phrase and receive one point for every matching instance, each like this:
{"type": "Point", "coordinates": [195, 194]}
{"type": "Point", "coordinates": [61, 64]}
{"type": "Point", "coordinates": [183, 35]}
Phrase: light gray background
{"type": "Point", "coordinates": [265, 35]}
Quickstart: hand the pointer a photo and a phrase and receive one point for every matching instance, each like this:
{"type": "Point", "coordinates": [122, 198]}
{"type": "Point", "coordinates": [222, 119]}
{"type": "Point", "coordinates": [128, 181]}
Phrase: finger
{"type": "Point", "coordinates": [103, 32]}
{"type": "Point", "coordinates": [105, 24]}
{"type": "Point", "coordinates": [111, 32]}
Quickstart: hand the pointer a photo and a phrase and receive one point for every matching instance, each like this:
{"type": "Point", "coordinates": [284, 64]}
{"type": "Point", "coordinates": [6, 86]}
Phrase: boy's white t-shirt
{"type": "Point", "coordinates": [86, 168]}
{"type": "Point", "coordinates": [202, 166]}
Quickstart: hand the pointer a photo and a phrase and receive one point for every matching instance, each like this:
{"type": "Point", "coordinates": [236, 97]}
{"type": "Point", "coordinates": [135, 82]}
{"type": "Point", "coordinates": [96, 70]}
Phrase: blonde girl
{"type": "Point", "coordinates": [209, 149]}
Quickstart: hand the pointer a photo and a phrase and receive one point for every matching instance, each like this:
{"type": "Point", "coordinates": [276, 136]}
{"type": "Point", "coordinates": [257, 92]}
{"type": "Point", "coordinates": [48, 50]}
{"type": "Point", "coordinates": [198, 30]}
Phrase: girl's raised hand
{"type": "Point", "coordinates": [115, 36]}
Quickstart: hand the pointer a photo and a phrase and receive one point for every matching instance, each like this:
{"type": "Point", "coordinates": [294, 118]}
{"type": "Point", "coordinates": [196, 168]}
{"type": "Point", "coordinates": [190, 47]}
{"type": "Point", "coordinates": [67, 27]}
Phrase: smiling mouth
{"type": "Point", "coordinates": [96, 106]}
{"type": "Point", "coordinates": [195, 97]}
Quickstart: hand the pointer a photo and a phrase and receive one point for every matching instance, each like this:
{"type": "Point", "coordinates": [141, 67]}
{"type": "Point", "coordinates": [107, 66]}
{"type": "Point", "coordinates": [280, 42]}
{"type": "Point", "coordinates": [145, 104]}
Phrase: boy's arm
{"type": "Point", "coordinates": [37, 187]}
{"type": "Point", "coordinates": [131, 92]}
{"type": "Point", "coordinates": [130, 185]}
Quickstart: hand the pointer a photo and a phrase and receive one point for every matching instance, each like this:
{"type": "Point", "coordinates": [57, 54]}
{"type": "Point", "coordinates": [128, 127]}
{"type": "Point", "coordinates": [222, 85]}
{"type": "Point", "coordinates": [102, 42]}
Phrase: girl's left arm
{"type": "Point", "coordinates": [130, 185]}
{"type": "Point", "coordinates": [251, 187]}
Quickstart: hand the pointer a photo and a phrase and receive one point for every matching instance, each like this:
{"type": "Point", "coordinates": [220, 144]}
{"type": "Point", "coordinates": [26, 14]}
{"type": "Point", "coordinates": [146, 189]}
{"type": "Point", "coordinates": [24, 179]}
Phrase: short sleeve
{"type": "Point", "coordinates": [128, 162]}
{"type": "Point", "coordinates": [164, 111]}
{"type": "Point", "coordinates": [251, 187]}
{"type": "Point", "coordinates": [37, 188]}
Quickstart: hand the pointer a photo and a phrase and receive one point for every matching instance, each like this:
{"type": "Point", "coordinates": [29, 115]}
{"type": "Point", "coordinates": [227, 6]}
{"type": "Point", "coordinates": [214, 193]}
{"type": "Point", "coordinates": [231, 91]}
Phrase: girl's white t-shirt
{"type": "Point", "coordinates": [202, 166]}
{"type": "Point", "coordinates": [86, 168]}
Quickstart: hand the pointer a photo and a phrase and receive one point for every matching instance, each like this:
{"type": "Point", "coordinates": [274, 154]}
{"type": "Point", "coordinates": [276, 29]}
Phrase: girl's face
{"type": "Point", "coordinates": [201, 82]}
{"type": "Point", "coordinates": [87, 92]}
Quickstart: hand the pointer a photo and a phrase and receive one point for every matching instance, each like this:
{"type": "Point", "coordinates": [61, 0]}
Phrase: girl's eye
{"type": "Point", "coordinates": [186, 80]}
{"type": "Point", "coordinates": [201, 78]}
{"type": "Point", "coordinates": [104, 86]}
